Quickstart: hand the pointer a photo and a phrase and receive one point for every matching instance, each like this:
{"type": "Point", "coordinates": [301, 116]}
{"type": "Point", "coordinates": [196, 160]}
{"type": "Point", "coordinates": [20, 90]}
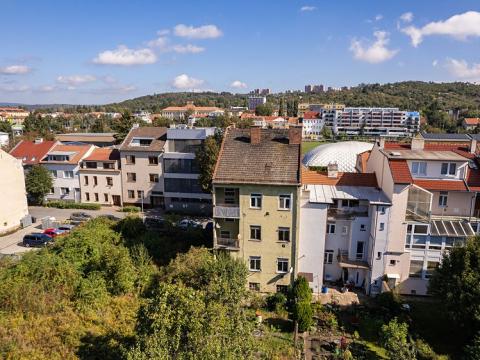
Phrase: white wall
{"type": "Point", "coordinates": [434, 170]}
{"type": "Point", "coordinates": [60, 181]}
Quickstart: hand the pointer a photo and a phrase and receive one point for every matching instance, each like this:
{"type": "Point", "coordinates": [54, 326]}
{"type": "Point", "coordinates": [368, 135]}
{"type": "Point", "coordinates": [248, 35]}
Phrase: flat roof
{"type": "Point", "coordinates": [423, 155]}
{"type": "Point", "coordinates": [325, 194]}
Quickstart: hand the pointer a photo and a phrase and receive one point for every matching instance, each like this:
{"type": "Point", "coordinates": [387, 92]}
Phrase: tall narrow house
{"type": "Point", "coordinates": [256, 187]}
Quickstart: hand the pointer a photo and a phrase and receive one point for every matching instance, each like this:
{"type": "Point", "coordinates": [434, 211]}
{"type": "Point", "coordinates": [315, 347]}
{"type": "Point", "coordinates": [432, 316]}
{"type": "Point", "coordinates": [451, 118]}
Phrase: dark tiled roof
{"type": "Point", "coordinates": [272, 161]}
{"type": "Point", "coordinates": [400, 172]}
{"type": "Point", "coordinates": [311, 177]}
{"type": "Point", "coordinates": [159, 135]}
{"type": "Point", "coordinates": [432, 136]}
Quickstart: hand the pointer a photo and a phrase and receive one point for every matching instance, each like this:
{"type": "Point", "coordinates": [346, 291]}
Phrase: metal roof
{"type": "Point", "coordinates": [451, 228]}
{"type": "Point", "coordinates": [190, 134]}
{"type": "Point", "coordinates": [424, 155]}
{"type": "Point", "coordinates": [432, 136]}
{"type": "Point", "coordinates": [327, 193]}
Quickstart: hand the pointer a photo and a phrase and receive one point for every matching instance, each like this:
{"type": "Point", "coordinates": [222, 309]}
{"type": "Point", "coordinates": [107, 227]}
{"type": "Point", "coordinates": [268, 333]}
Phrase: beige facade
{"type": "Point", "coordinates": [258, 234]}
{"type": "Point", "coordinates": [14, 200]}
{"type": "Point", "coordinates": [101, 184]}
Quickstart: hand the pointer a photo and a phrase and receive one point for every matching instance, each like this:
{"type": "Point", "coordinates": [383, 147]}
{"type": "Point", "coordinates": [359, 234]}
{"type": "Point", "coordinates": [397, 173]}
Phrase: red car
{"type": "Point", "coordinates": [53, 232]}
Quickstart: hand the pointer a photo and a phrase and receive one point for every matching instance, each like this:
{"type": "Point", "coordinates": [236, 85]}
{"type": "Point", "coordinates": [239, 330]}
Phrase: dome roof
{"type": "Point", "coordinates": [343, 153]}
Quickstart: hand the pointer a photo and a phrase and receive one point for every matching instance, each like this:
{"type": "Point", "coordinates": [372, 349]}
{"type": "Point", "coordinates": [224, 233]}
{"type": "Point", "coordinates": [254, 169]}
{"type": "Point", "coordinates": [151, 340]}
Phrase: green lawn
{"type": "Point", "coordinates": [309, 145]}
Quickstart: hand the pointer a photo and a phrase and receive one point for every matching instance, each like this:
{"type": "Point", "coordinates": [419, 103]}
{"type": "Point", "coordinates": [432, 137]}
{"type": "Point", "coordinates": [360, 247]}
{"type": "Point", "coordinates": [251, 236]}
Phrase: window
{"type": "Point", "coordinates": [68, 174]}
{"type": "Point", "coordinates": [130, 159]}
{"type": "Point", "coordinates": [254, 286]}
{"type": "Point", "coordinates": [153, 160]}
{"type": "Point", "coordinates": [109, 181]}
{"type": "Point", "coordinates": [255, 263]}
{"type": "Point", "coordinates": [379, 255]}
{"type": "Point", "coordinates": [328, 257]}
{"type": "Point", "coordinates": [421, 229]}
{"type": "Point", "coordinates": [393, 262]}
{"type": "Point", "coordinates": [360, 249]}
{"type": "Point", "coordinates": [381, 227]}
{"type": "Point", "coordinates": [282, 289]}
{"type": "Point", "coordinates": [96, 197]}
{"type": "Point", "coordinates": [449, 168]}
{"type": "Point", "coordinates": [416, 268]}
{"type": "Point", "coordinates": [52, 191]}
{"type": "Point", "coordinates": [431, 266]}
{"type": "Point", "coordinates": [419, 241]}
{"type": "Point", "coordinates": [91, 164]}
{"type": "Point", "coordinates": [350, 203]}
{"type": "Point", "coordinates": [105, 197]}
{"type": "Point", "coordinates": [64, 191]}
{"type": "Point", "coordinates": [140, 194]}
{"type": "Point", "coordinates": [284, 202]}
{"type": "Point", "coordinates": [435, 243]}
{"type": "Point", "coordinates": [382, 210]}
{"type": "Point", "coordinates": [131, 194]}
{"type": "Point", "coordinates": [282, 265]}
{"type": "Point", "coordinates": [85, 180]}
{"type": "Point", "coordinates": [255, 232]}
{"type": "Point", "coordinates": [283, 234]}
{"type": "Point", "coordinates": [131, 177]}
{"type": "Point", "coordinates": [229, 196]}
{"type": "Point", "coordinates": [344, 230]}
{"type": "Point", "coordinates": [108, 165]}
{"type": "Point", "coordinates": [225, 234]}
{"type": "Point", "coordinates": [330, 228]}
{"type": "Point", "coordinates": [154, 178]}
{"type": "Point", "coordinates": [419, 168]}
{"type": "Point", "coordinates": [256, 201]}
{"type": "Point", "coordinates": [443, 199]}
{"type": "Point", "coordinates": [87, 196]}
{"type": "Point", "coordinates": [54, 173]}
{"type": "Point", "coordinates": [95, 181]}
{"type": "Point", "coordinates": [363, 227]}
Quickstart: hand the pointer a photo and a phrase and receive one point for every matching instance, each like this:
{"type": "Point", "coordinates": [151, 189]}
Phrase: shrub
{"type": "Point", "coordinates": [425, 352]}
{"type": "Point", "coordinates": [131, 209]}
{"type": "Point", "coordinates": [390, 301]}
{"type": "Point", "coordinates": [394, 336]}
{"type": "Point", "coordinates": [72, 205]}
{"type": "Point", "coordinates": [301, 297]}
{"type": "Point", "coordinates": [92, 292]}
{"type": "Point", "coordinates": [276, 302]}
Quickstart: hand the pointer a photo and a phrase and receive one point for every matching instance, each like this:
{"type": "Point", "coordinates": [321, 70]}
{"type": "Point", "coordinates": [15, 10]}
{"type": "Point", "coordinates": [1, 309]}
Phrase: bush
{"type": "Point", "coordinates": [131, 209]}
{"type": "Point", "coordinates": [276, 302]}
{"type": "Point", "coordinates": [301, 297]}
{"type": "Point", "coordinates": [425, 352]}
{"type": "Point", "coordinates": [390, 301]}
{"type": "Point", "coordinates": [394, 337]}
{"type": "Point", "coordinates": [72, 205]}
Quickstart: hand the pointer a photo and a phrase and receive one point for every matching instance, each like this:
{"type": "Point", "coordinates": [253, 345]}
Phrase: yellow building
{"type": "Point", "coordinates": [255, 195]}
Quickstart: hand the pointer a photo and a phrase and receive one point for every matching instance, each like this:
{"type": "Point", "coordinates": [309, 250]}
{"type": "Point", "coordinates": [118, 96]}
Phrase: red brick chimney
{"type": "Point", "coordinates": [255, 135]}
{"type": "Point", "coordinates": [295, 135]}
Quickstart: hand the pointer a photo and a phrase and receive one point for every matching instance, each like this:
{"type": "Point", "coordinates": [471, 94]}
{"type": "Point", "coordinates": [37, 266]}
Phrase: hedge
{"type": "Point", "coordinates": [131, 209]}
{"type": "Point", "coordinates": [72, 205]}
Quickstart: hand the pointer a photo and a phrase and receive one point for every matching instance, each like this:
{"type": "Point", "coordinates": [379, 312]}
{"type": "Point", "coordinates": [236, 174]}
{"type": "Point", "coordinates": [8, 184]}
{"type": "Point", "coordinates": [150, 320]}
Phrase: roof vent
{"type": "Point", "coordinates": [38, 140]}
{"type": "Point", "coordinates": [394, 153]}
{"type": "Point", "coordinates": [332, 170]}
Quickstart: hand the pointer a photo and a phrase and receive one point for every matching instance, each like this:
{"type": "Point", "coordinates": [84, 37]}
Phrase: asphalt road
{"type": "Point", "coordinates": [12, 244]}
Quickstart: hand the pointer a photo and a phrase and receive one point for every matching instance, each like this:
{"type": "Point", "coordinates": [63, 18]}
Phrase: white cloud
{"type": "Point", "coordinates": [377, 52]}
{"type": "Point", "coordinates": [201, 32]}
{"type": "Point", "coordinates": [188, 49]}
{"type": "Point", "coordinates": [407, 17]}
{"type": "Point", "coordinates": [308, 8]}
{"type": "Point", "coordinates": [435, 63]}
{"type": "Point", "coordinates": [160, 42]}
{"type": "Point", "coordinates": [237, 84]}
{"type": "Point", "coordinates": [462, 70]}
{"type": "Point", "coordinates": [122, 55]}
{"type": "Point", "coordinates": [163, 32]}
{"type": "Point", "coordinates": [184, 81]}
{"type": "Point", "coordinates": [14, 88]}
{"type": "Point", "coordinates": [47, 88]}
{"type": "Point", "coordinates": [76, 79]}
{"type": "Point", "coordinates": [378, 17]}
{"type": "Point", "coordinates": [15, 70]}
{"type": "Point", "coordinates": [459, 26]}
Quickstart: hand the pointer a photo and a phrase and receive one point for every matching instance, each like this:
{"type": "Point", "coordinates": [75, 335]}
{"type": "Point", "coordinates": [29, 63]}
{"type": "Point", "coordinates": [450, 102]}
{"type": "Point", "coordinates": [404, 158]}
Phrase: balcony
{"type": "Point", "coordinates": [228, 244]}
{"type": "Point", "coordinates": [227, 211]}
{"type": "Point", "coordinates": [351, 213]}
{"type": "Point", "coordinates": [345, 262]}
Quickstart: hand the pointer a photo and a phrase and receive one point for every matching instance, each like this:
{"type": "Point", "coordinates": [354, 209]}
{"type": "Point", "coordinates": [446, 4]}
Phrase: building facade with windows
{"type": "Point", "coordinates": [256, 187]}
{"type": "Point", "coordinates": [254, 101]}
{"type": "Point", "coordinates": [63, 162]}
{"type": "Point", "coordinates": [100, 178]}
{"type": "Point", "coordinates": [183, 192]}
{"type": "Point", "coordinates": [182, 112]}
{"type": "Point", "coordinates": [141, 158]}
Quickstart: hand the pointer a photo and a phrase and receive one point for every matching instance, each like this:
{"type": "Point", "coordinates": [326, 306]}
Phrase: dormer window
{"type": "Point", "coordinates": [141, 142]}
{"type": "Point", "coordinates": [449, 169]}
{"type": "Point", "coordinates": [419, 168]}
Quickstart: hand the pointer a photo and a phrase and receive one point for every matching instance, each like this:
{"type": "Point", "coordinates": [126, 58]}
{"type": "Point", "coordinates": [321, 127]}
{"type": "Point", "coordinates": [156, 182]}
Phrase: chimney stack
{"type": "Point", "coordinates": [332, 170]}
{"type": "Point", "coordinates": [473, 146]}
{"type": "Point", "coordinates": [255, 135]}
{"type": "Point", "coordinates": [418, 143]}
{"type": "Point", "coordinates": [381, 143]}
{"type": "Point", "coordinates": [295, 135]}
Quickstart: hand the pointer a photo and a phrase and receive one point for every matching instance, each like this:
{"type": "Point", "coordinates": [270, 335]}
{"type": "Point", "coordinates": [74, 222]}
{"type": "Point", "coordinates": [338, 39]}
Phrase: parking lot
{"type": "Point", "coordinates": [12, 244]}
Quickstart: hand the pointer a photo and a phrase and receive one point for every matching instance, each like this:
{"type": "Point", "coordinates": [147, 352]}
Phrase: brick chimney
{"type": "Point", "coordinates": [295, 135]}
{"type": "Point", "coordinates": [332, 170]}
{"type": "Point", "coordinates": [473, 146]}
{"type": "Point", "coordinates": [255, 135]}
{"type": "Point", "coordinates": [418, 143]}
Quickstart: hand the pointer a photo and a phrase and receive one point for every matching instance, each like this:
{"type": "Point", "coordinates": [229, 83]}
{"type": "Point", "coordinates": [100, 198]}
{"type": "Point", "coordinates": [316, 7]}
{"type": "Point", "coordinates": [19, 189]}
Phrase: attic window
{"type": "Point", "coordinates": [141, 142]}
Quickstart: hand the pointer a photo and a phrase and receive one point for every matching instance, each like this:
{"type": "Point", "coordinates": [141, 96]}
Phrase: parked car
{"type": "Point", "coordinates": [188, 223]}
{"type": "Point", "coordinates": [66, 227]}
{"type": "Point", "coordinates": [36, 239]}
{"type": "Point", "coordinates": [53, 232]}
{"type": "Point", "coordinates": [80, 216]}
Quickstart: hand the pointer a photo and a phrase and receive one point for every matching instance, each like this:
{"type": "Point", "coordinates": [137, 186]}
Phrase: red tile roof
{"type": "Point", "coordinates": [79, 151]}
{"type": "Point", "coordinates": [311, 177]}
{"type": "Point", "coordinates": [473, 179]}
{"type": "Point", "coordinates": [31, 151]}
{"type": "Point", "coordinates": [311, 115]}
{"type": "Point", "coordinates": [397, 146]}
{"type": "Point", "coordinates": [441, 185]}
{"type": "Point", "coordinates": [400, 171]}
{"type": "Point", "coordinates": [103, 154]}
{"type": "Point", "coordinates": [447, 146]}
{"type": "Point", "coordinates": [471, 121]}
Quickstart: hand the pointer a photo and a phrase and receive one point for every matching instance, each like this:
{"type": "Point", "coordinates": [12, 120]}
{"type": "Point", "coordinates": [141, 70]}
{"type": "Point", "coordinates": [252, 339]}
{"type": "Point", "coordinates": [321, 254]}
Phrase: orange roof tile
{"type": "Point", "coordinates": [472, 121]}
{"type": "Point", "coordinates": [79, 150]}
{"type": "Point", "coordinates": [103, 154]}
{"type": "Point", "coordinates": [311, 177]}
{"type": "Point", "coordinates": [441, 185]}
{"type": "Point", "coordinates": [32, 152]}
{"type": "Point", "coordinates": [311, 115]}
{"type": "Point", "coordinates": [400, 172]}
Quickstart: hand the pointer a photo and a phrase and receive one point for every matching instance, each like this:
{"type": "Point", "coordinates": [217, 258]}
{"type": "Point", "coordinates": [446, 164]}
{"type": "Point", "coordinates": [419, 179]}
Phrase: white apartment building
{"type": "Point", "coordinates": [312, 125]}
{"type": "Point", "coordinates": [63, 162]}
{"type": "Point", "coordinates": [254, 101]}
{"type": "Point", "coordinates": [14, 199]}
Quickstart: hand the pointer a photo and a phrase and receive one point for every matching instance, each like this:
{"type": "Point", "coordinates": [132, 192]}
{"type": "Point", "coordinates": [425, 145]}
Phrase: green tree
{"type": "Point", "coordinates": [161, 122]}
{"type": "Point", "coordinates": [280, 107]}
{"type": "Point", "coordinates": [206, 157]}
{"type": "Point", "coordinates": [472, 351]}
{"type": "Point", "coordinates": [123, 125]}
{"type": "Point", "coordinates": [456, 283]}
{"type": "Point", "coordinates": [38, 183]}
{"type": "Point", "coordinates": [326, 132]}
{"type": "Point", "coordinates": [5, 126]}
{"type": "Point", "coordinates": [394, 337]}
{"type": "Point", "coordinates": [264, 109]}
{"type": "Point", "coordinates": [301, 297]}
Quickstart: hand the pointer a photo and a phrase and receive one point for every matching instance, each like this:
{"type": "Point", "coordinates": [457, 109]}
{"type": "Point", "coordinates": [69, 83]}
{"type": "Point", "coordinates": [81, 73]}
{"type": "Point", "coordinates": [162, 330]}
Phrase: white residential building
{"type": "Point", "coordinates": [254, 101]}
{"type": "Point", "coordinates": [312, 125]}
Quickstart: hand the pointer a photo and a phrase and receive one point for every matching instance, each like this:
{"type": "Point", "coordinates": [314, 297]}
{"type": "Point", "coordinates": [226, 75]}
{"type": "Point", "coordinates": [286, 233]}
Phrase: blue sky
{"type": "Point", "coordinates": [101, 51]}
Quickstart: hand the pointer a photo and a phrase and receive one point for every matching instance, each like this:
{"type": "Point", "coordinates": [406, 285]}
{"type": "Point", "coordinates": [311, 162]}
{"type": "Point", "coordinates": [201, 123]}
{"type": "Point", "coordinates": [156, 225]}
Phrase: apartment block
{"type": "Point", "coordinates": [181, 112]}
{"type": "Point", "coordinates": [254, 101]}
{"type": "Point", "coordinates": [100, 178]}
{"type": "Point", "coordinates": [63, 162]}
{"type": "Point", "coordinates": [141, 158]}
{"type": "Point", "coordinates": [256, 187]}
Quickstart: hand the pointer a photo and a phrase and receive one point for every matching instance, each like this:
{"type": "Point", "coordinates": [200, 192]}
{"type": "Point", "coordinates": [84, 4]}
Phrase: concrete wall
{"type": "Point", "coordinates": [14, 200]}
{"type": "Point", "coordinates": [458, 203]}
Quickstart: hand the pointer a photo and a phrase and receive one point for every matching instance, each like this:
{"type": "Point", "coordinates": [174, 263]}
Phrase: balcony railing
{"type": "Point", "coordinates": [228, 243]}
{"type": "Point", "coordinates": [227, 211]}
{"type": "Point", "coordinates": [347, 213]}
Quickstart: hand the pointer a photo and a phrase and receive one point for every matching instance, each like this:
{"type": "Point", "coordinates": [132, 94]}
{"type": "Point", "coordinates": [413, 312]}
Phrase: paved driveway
{"type": "Point", "coordinates": [12, 244]}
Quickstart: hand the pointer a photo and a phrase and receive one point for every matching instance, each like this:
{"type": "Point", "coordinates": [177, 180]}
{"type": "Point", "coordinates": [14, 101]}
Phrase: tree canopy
{"type": "Point", "coordinates": [38, 183]}
{"type": "Point", "coordinates": [206, 157]}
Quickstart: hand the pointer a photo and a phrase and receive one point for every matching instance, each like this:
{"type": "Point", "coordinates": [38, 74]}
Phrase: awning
{"type": "Point", "coordinates": [393, 276]}
{"type": "Point", "coordinates": [451, 228]}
